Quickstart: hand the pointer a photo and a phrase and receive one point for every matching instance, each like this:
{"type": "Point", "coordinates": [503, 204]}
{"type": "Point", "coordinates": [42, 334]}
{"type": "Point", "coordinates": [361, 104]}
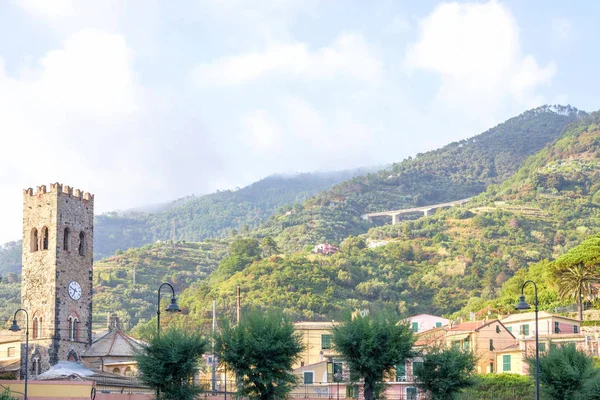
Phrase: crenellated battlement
{"type": "Point", "coordinates": [61, 189]}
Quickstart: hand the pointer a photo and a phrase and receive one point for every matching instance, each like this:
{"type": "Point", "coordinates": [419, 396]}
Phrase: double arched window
{"type": "Point", "coordinates": [73, 321]}
{"type": "Point", "coordinates": [34, 240]}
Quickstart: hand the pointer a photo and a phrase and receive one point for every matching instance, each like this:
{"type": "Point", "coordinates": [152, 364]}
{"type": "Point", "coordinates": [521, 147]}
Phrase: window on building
{"type": "Point", "coordinates": [542, 346]}
{"type": "Point", "coordinates": [35, 333]}
{"type": "Point", "coordinates": [128, 371]}
{"type": "Point", "coordinates": [524, 329]}
{"type": "Point", "coordinates": [116, 371]}
{"type": "Point", "coordinates": [34, 240]}
{"type": "Point", "coordinates": [81, 246]}
{"type": "Point", "coordinates": [497, 328]}
{"type": "Point", "coordinates": [491, 344]}
{"type": "Point", "coordinates": [308, 378]}
{"type": "Point", "coordinates": [338, 367]}
{"type": "Point", "coordinates": [556, 328]}
{"type": "Point", "coordinates": [66, 239]}
{"type": "Point", "coordinates": [417, 366]}
{"type": "Point", "coordinates": [35, 366]}
{"type": "Point", "coordinates": [411, 393]}
{"type": "Point", "coordinates": [325, 342]}
{"type": "Point", "coordinates": [466, 344]}
{"type": "Point", "coordinates": [506, 363]}
{"type": "Point", "coordinates": [491, 368]}
{"type": "Point", "coordinates": [438, 324]}
{"type": "Point", "coordinates": [44, 238]}
{"type": "Point", "coordinates": [415, 327]}
{"type": "Point", "coordinates": [73, 321]}
{"type": "Point", "coordinates": [401, 372]}
{"type": "Point", "coordinates": [575, 329]}
{"type": "Point", "coordinates": [11, 352]}
{"type": "Point", "coordinates": [36, 327]}
{"type": "Point", "coordinates": [509, 329]}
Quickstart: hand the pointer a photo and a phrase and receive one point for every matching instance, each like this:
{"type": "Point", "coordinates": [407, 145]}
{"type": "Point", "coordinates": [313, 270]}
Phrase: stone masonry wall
{"type": "Point", "coordinates": [49, 268]}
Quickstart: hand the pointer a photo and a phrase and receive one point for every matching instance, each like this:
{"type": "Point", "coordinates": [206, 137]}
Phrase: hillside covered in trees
{"type": "Point", "coordinates": [459, 258]}
{"type": "Point", "coordinates": [432, 264]}
{"type": "Point", "coordinates": [215, 215]}
{"type": "Point", "coordinates": [456, 171]}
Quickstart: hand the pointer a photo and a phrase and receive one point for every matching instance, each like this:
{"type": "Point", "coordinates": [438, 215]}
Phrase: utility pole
{"type": "Point", "coordinates": [239, 301]}
{"type": "Point", "coordinates": [214, 361]}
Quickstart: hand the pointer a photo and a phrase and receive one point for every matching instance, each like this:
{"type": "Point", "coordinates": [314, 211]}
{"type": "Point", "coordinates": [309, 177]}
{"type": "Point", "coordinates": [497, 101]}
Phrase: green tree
{"type": "Point", "coordinates": [261, 350]}
{"type": "Point", "coordinates": [170, 360]}
{"type": "Point", "coordinates": [5, 395]}
{"type": "Point", "coordinates": [372, 346]}
{"type": "Point", "coordinates": [446, 372]}
{"type": "Point", "coordinates": [576, 281]}
{"type": "Point", "coordinates": [564, 371]}
{"type": "Point", "coordinates": [575, 272]}
{"type": "Point", "coordinates": [269, 247]}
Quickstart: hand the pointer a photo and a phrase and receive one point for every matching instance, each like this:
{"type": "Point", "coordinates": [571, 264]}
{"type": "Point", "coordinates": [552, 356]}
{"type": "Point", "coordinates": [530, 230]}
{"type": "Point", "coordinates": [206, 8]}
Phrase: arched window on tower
{"type": "Point", "coordinates": [81, 243]}
{"type": "Point", "coordinates": [73, 321]}
{"type": "Point", "coordinates": [66, 239]}
{"type": "Point", "coordinates": [44, 238]}
{"type": "Point", "coordinates": [34, 240]}
{"type": "Point", "coordinates": [35, 333]}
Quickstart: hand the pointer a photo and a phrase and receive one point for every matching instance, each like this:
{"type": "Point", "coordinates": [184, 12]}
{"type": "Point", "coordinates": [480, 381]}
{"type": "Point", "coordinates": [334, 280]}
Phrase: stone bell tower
{"type": "Point", "coordinates": [56, 289]}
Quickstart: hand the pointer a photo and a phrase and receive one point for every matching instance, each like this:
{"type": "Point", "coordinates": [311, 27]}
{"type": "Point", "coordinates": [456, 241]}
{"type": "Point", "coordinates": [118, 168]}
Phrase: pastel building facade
{"type": "Point", "coordinates": [424, 322]}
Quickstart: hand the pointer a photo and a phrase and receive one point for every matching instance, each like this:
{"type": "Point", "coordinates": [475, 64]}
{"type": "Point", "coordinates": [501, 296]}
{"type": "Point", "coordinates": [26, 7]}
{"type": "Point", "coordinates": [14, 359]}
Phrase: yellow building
{"type": "Point", "coordinates": [512, 359]}
{"type": "Point", "coordinates": [317, 341]}
{"type": "Point", "coordinates": [10, 352]}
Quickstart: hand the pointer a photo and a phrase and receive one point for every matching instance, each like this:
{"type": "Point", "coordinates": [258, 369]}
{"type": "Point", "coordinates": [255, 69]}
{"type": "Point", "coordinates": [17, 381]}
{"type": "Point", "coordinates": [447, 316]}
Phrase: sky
{"type": "Point", "coordinates": [146, 101]}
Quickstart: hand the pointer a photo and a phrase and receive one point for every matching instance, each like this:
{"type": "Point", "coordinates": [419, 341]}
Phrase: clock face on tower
{"type": "Point", "coordinates": [74, 290]}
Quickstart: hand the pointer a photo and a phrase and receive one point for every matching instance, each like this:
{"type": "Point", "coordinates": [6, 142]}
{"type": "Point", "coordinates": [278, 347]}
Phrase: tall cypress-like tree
{"type": "Point", "coordinates": [372, 346]}
{"type": "Point", "coordinates": [261, 350]}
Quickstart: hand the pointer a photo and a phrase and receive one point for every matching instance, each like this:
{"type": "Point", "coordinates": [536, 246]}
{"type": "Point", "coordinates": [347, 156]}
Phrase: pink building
{"type": "Point", "coordinates": [424, 322]}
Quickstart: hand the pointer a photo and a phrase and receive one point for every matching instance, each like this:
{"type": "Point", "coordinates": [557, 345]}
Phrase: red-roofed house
{"type": "Point", "coordinates": [484, 338]}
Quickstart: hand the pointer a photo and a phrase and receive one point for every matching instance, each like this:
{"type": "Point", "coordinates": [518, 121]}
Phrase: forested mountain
{"type": "Point", "coordinates": [458, 170]}
{"type": "Point", "coordinates": [459, 257]}
{"type": "Point", "coordinates": [215, 215]}
{"type": "Point", "coordinates": [432, 264]}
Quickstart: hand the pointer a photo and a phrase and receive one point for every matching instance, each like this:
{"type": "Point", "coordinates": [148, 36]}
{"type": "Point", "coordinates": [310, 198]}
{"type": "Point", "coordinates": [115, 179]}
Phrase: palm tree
{"type": "Point", "coordinates": [576, 281]}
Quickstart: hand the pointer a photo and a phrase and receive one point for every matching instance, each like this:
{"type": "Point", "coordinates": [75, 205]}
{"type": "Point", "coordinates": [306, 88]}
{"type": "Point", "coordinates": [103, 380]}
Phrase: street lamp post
{"type": "Point", "coordinates": [522, 305]}
{"type": "Point", "coordinates": [15, 328]}
{"type": "Point", "coordinates": [338, 377]}
{"type": "Point", "coordinates": [173, 307]}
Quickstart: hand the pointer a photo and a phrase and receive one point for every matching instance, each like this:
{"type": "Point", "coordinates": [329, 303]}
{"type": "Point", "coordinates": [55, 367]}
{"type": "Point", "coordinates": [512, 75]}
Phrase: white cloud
{"type": "Point", "coordinates": [562, 28]}
{"type": "Point", "coordinates": [263, 132]}
{"type": "Point", "coordinates": [348, 56]}
{"type": "Point", "coordinates": [475, 50]}
{"type": "Point", "coordinates": [397, 26]}
{"type": "Point", "coordinates": [77, 115]}
{"type": "Point", "coordinates": [55, 9]}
